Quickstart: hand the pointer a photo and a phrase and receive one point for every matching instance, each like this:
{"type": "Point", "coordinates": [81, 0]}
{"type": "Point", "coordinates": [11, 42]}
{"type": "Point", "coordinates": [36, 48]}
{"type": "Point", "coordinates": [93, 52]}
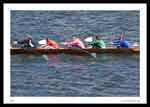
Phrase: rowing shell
{"type": "Point", "coordinates": [74, 51]}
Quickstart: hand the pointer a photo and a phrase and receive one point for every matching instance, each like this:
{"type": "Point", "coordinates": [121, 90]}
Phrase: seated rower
{"type": "Point", "coordinates": [97, 43]}
{"type": "Point", "coordinates": [27, 42]}
{"type": "Point", "coordinates": [74, 42]}
{"type": "Point", "coordinates": [50, 44]}
{"type": "Point", "coordinates": [122, 43]}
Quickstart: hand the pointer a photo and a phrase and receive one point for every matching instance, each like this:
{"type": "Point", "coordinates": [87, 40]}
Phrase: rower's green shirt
{"type": "Point", "coordinates": [98, 44]}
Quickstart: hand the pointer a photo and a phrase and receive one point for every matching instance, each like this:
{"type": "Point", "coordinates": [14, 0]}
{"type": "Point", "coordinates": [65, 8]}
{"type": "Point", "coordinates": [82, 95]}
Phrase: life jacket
{"type": "Point", "coordinates": [52, 43]}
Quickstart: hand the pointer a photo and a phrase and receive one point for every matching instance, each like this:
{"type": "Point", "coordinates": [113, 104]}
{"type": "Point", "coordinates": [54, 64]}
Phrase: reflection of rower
{"type": "Point", "coordinates": [50, 44]}
{"type": "Point", "coordinates": [26, 43]}
{"type": "Point", "coordinates": [74, 42]}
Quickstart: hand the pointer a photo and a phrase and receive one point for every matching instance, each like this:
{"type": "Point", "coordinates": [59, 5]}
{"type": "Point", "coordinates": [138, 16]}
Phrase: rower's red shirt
{"type": "Point", "coordinates": [52, 43]}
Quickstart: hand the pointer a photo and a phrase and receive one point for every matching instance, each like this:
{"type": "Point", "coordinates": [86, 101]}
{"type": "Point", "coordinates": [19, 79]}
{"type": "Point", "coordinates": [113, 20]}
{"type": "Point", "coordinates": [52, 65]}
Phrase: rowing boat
{"type": "Point", "coordinates": [76, 51]}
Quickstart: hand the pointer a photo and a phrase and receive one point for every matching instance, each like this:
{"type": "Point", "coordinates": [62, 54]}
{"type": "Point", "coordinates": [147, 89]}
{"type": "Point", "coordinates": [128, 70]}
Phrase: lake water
{"type": "Point", "coordinates": [70, 75]}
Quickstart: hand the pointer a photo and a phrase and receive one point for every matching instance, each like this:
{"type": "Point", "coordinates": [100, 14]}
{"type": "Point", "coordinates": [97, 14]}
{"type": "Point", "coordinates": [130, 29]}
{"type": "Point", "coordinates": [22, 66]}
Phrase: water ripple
{"type": "Point", "coordinates": [67, 75]}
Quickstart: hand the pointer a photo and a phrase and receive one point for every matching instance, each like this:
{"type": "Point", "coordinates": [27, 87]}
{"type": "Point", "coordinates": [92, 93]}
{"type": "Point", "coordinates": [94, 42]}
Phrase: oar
{"type": "Point", "coordinates": [135, 45]}
{"type": "Point", "coordinates": [111, 43]}
{"type": "Point", "coordinates": [14, 43]}
{"type": "Point", "coordinates": [43, 42]}
{"type": "Point", "coordinates": [92, 54]}
{"type": "Point", "coordinates": [89, 39]}
{"type": "Point", "coordinates": [82, 49]}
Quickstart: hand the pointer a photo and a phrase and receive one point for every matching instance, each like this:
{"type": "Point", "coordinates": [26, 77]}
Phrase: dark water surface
{"type": "Point", "coordinates": [68, 75]}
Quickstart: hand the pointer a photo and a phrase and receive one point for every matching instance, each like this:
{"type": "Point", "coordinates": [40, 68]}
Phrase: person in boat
{"type": "Point", "coordinates": [27, 42]}
{"type": "Point", "coordinates": [74, 42]}
{"type": "Point", "coordinates": [121, 43]}
{"type": "Point", "coordinates": [98, 43]}
{"type": "Point", "coordinates": [50, 44]}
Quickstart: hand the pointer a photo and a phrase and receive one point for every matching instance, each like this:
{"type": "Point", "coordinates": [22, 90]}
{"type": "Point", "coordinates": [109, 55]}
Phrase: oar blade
{"type": "Point", "coordinates": [45, 57]}
{"type": "Point", "coordinates": [93, 55]}
{"type": "Point", "coordinates": [42, 42]}
{"type": "Point", "coordinates": [88, 39]}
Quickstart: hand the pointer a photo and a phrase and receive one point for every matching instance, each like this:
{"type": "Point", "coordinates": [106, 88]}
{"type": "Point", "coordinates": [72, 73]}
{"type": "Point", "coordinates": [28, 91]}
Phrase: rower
{"type": "Point", "coordinates": [121, 43]}
{"type": "Point", "coordinates": [74, 42]}
{"type": "Point", "coordinates": [97, 43]}
{"type": "Point", "coordinates": [50, 44]}
{"type": "Point", "coordinates": [27, 42]}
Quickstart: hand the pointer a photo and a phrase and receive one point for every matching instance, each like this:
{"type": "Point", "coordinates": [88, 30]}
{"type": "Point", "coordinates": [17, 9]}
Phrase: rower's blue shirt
{"type": "Point", "coordinates": [122, 43]}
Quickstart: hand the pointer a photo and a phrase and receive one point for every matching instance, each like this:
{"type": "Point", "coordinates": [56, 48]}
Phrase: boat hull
{"type": "Point", "coordinates": [74, 51]}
